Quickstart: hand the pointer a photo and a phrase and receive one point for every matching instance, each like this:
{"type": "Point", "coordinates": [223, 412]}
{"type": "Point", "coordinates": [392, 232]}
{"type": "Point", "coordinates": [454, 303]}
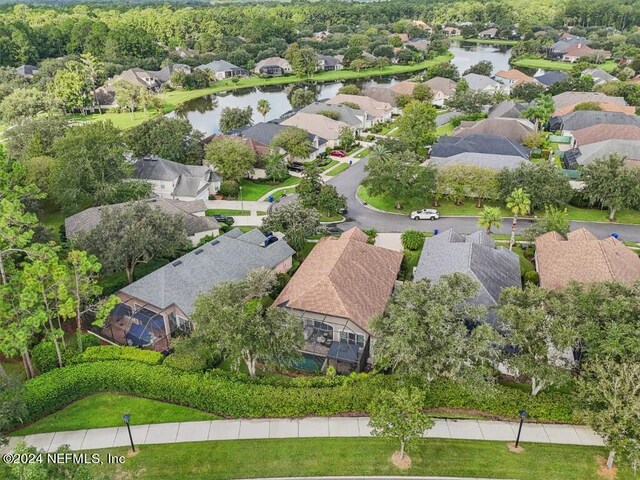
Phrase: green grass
{"type": "Point", "coordinates": [253, 190]}
{"type": "Point", "coordinates": [335, 171]}
{"type": "Point", "coordinates": [445, 129]}
{"type": "Point", "coordinates": [329, 165]}
{"type": "Point", "coordinates": [106, 410]}
{"type": "Point", "coordinates": [229, 211]}
{"type": "Point", "coordinates": [532, 62]}
{"type": "Point", "coordinates": [354, 457]}
{"type": "Point", "coordinates": [596, 215]}
{"type": "Point", "coordinates": [285, 191]}
{"type": "Point", "coordinates": [525, 264]}
{"type": "Point", "coordinates": [53, 219]}
{"type": "Point", "coordinates": [122, 120]}
{"type": "Point", "coordinates": [331, 219]}
{"type": "Point", "coordinates": [491, 41]}
{"type": "Point", "coordinates": [363, 153]}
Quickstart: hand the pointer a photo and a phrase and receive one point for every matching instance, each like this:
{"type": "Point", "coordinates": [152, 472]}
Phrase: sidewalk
{"type": "Point", "coordinates": [299, 428]}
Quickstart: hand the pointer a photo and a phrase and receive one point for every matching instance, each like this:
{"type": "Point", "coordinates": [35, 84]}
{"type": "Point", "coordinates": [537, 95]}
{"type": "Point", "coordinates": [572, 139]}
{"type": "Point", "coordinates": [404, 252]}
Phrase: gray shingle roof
{"type": "Point", "coordinates": [506, 109]}
{"type": "Point", "coordinates": [381, 94]}
{"type": "Point", "coordinates": [263, 132]}
{"type": "Point", "coordinates": [156, 168]}
{"type": "Point", "coordinates": [226, 259]}
{"type": "Point", "coordinates": [549, 78]}
{"type": "Point", "coordinates": [328, 60]}
{"type": "Point", "coordinates": [485, 160]}
{"type": "Point", "coordinates": [218, 66]}
{"type": "Point", "coordinates": [347, 114]}
{"type": "Point", "coordinates": [476, 255]}
{"type": "Point", "coordinates": [448, 146]}
{"type": "Point", "coordinates": [630, 149]}
{"type": "Point", "coordinates": [587, 118]}
{"type": "Point", "coordinates": [479, 82]}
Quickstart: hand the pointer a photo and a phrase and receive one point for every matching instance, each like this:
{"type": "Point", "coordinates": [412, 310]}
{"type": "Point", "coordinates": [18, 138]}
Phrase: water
{"type": "Point", "coordinates": [204, 113]}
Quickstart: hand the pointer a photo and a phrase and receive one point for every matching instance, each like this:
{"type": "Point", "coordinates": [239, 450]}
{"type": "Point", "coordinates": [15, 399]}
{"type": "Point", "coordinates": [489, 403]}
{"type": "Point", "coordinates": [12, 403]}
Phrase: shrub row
{"type": "Point", "coordinates": [232, 395]}
{"type": "Point", "coordinates": [45, 358]}
{"type": "Point", "coordinates": [113, 352]}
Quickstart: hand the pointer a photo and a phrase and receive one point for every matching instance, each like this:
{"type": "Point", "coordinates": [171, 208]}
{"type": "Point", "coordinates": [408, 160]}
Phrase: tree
{"type": "Point", "coordinates": [359, 64]}
{"type": "Point", "coordinates": [16, 231]}
{"type": "Point", "coordinates": [347, 138]}
{"type": "Point", "coordinates": [301, 97]}
{"type": "Point", "coordinates": [22, 103]}
{"type": "Point", "coordinates": [303, 60]}
{"type": "Point", "coordinates": [544, 183]}
{"type": "Point", "coordinates": [541, 338]}
{"type": "Point", "coordinates": [399, 414]}
{"type": "Point", "coordinates": [231, 157]}
{"type": "Point", "coordinates": [422, 93]}
{"type": "Point", "coordinates": [276, 167]}
{"type": "Point", "coordinates": [294, 141]}
{"type": "Point", "coordinates": [610, 184]}
{"type": "Point", "coordinates": [170, 138]}
{"type": "Point", "coordinates": [232, 318]}
{"type": "Point", "coordinates": [527, 92]}
{"type": "Point", "coordinates": [295, 221]}
{"type": "Point", "coordinates": [592, 106]}
{"type": "Point", "coordinates": [469, 101]}
{"type": "Point", "coordinates": [48, 470]}
{"type": "Point", "coordinates": [121, 246]}
{"type": "Point", "coordinates": [541, 111]}
{"type": "Point", "coordinates": [553, 220]}
{"type": "Point", "coordinates": [310, 185]}
{"type": "Point", "coordinates": [263, 108]}
{"type": "Point", "coordinates": [71, 88]}
{"type": "Point", "coordinates": [519, 203]}
{"type": "Point", "coordinates": [417, 125]}
{"type": "Point", "coordinates": [483, 67]}
{"type": "Point", "coordinates": [424, 329]}
{"type": "Point", "coordinates": [412, 239]}
{"type": "Point", "coordinates": [534, 140]}
{"type": "Point", "coordinates": [350, 89]}
{"type": "Point", "coordinates": [329, 201]}
{"type": "Point", "coordinates": [444, 69]}
{"type": "Point", "coordinates": [34, 137]}
{"type": "Point", "coordinates": [610, 395]}
{"type": "Point", "coordinates": [232, 118]}
{"type": "Point", "coordinates": [490, 217]}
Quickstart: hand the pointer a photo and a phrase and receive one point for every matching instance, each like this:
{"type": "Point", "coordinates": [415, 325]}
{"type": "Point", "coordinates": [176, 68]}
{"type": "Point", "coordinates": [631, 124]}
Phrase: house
{"type": "Point", "coordinates": [402, 36]}
{"type": "Point", "coordinates": [565, 102]}
{"type": "Point", "coordinates": [600, 77]}
{"type": "Point", "coordinates": [384, 95]}
{"type": "Point", "coordinates": [564, 43]}
{"type": "Point", "coordinates": [578, 51]}
{"type": "Point", "coordinates": [494, 268]}
{"type": "Point", "coordinates": [176, 180]}
{"type": "Point", "coordinates": [585, 154]}
{"type": "Point", "coordinates": [442, 88]}
{"type": "Point", "coordinates": [196, 223]}
{"type": "Point", "coordinates": [419, 44]}
{"type": "Point", "coordinates": [318, 125]}
{"type": "Point", "coordinates": [327, 63]}
{"type": "Point", "coordinates": [549, 78]}
{"type": "Point", "coordinates": [342, 284]}
{"type": "Point", "coordinates": [482, 83]}
{"type": "Point", "coordinates": [378, 111]}
{"type": "Point", "coordinates": [272, 67]}
{"type": "Point", "coordinates": [186, 52]}
{"type": "Point", "coordinates": [258, 148]}
{"type": "Point", "coordinates": [164, 75]}
{"type": "Point", "coordinates": [507, 109]}
{"type": "Point", "coordinates": [421, 25]}
{"type": "Point", "coordinates": [602, 132]}
{"type": "Point", "coordinates": [513, 128]}
{"type": "Point", "coordinates": [263, 134]}
{"type": "Point", "coordinates": [356, 118]}
{"type": "Point", "coordinates": [489, 151]}
{"type": "Point", "coordinates": [403, 88]}
{"type": "Point", "coordinates": [451, 31]}
{"type": "Point", "coordinates": [488, 33]}
{"type": "Point", "coordinates": [159, 305]}
{"type": "Point", "coordinates": [222, 69]}
{"type": "Point", "coordinates": [573, 121]}
{"type": "Point", "coordinates": [141, 77]}
{"type": "Point", "coordinates": [513, 78]}
{"type": "Point", "coordinates": [27, 71]}
{"type": "Point", "coordinates": [583, 258]}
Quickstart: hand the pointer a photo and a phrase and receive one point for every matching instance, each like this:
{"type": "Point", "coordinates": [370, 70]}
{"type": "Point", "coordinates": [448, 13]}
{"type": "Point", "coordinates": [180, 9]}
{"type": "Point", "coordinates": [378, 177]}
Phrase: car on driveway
{"type": "Point", "coordinates": [425, 214]}
{"type": "Point", "coordinates": [224, 219]}
{"type": "Point", "coordinates": [338, 153]}
{"type": "Point", "coordinates": [296, 166]}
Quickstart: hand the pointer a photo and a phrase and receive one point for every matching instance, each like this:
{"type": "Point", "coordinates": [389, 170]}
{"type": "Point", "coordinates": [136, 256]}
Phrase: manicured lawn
{"type": "Point", "coordinates": [122, 120]}
{"type": "Point", "coordinates": [254, 190]}
{"type": "Point", "coordinates": [492, 41]}
{"type": "Point", "coordinates": [596, 215]}
{"type": "Point", "coordinates": [445, 129]}
{"type": "Point", "coordinates": [354, 457]}
{"type": "Point", "coordinates": [363, 153]}
{"type": "Point", "coordinates": [106, 410]}
{"type": "Point", "coordinates": [333, 218]}
{"type": "Point", "coordinates": [335, 171]}
{"type": "Point", "coordinates": [228, 211]}
{"type": "Point", "coordinates": [532, 62]}
{"type": "Point", "coordinates": [283, 192]}
{"type": "Point", "coordinates": [329, 165]}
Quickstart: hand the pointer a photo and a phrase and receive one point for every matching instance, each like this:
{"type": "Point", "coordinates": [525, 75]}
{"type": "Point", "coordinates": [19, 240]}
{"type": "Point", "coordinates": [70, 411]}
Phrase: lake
{"type": "Point", "coordinates": [204, 112]}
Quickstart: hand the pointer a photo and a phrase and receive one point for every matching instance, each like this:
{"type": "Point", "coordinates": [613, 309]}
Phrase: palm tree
{"type": "Point", "coordinates": [490, 217]}
{"type": "Point", "coordinates": [263, 107]}
{"type": "Point", "coordinates": [519, 203]}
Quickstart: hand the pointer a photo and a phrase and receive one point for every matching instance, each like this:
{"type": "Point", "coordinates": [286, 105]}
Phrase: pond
{"type": "Point", "coordinates": [204, 113]}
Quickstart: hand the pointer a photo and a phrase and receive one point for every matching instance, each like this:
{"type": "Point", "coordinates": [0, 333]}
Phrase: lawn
{"type": "Point", "coordinates": [596, 215]}
{"type": "Point", "coordinates": [331, 219]}
{"type": "Point", "coordinates": [409, 262]}
{"type": "Point", "coordinates": [329, 165]}
{"type": "Point", "coordinates": [283, 192]}
{"type": "Point", "coordinates": [445, 129]}
{"type": "Point", "coordinates": [122, 120]}
{"type": "Point", "coordinates": [533, 62]}
{"type": "Point", "coordinates": [254, 190]}
{"type": "Point", "coordinates": [354, 457]}
{"type": "Point", "coordinates": [106, 410]}
{"type": "Point", "coordinates": [335, 171]}
{"type": "Point", "coordinates": [363, 153]}
{"type": "Point", "coordinates": [229, 211]}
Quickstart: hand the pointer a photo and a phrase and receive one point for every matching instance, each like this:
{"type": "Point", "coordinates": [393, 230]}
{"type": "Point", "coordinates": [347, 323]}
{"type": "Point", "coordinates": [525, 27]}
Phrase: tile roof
{"type": "Point", "coordinates": [585, 259]}
{"type": "Point", "coordinates": [601, 132]}
{"type": "Point", "coordinates": [369, 105]}
{"type": "Point", "coordinates": [566, 102]}
{"type": "Point", "coordinates": [344, 277]}
{"type": "Point", "coordinates": [512, 128]}
{"type": "Point", "coordinates": [316, 124]}
{"type": "Point", "coordinates": [228, 258]}
{"type": "Point", "coordinates": [447, 146]}
{"type": "Point", "coordinates": [515, 75]}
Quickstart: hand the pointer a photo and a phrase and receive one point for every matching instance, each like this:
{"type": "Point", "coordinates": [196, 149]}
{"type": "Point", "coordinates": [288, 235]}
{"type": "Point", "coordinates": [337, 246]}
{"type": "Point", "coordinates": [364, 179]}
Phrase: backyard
{"type": "Point", "coordinates": [544, 63]}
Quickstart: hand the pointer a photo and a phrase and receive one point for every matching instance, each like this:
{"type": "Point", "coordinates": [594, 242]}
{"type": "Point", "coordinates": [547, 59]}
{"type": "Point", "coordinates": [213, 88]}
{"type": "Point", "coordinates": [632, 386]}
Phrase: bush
{"type": "Point", "coordinates": [45, 358]}
{"type": "Point", "coordinates": [189, 362]}
{"type": "Point", "coordinates": [229, 188]}
{"type": "Point", "coordinates": [234, 395]}
{"type": "Point", "coordinates": [412, 239]}
{"type": "Point", "coordinates": [113, 352]}
{"type": "Point", "coordinates": [531, 277]}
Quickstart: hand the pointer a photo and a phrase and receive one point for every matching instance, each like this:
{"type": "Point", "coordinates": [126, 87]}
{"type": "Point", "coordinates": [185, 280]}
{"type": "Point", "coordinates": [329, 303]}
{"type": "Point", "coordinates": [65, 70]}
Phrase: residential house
{"type": "Point", "coordinates": [451, 31]}
{"type": "Point", "coordinates": [263, 134]}
{"type": "Point", "coordinates": [602, 132]}
{"type": "Point", "coordinates": [583, 258]}
{"type": "Point", "coordinates": [272, 67]}
{"type": "Point", "coordinates": [419, 44]}
{"type": "Point", "coordinates": [378, 111]}
{"type": "Point", "coordinates": [493, 268]}
{"type": "Point", "coordinates": [403, 36]}
{"type": "Point", "coordinates": [141, 77]}
{"type": "Point", "coordinates": [421, 25]}
{"type": "Point", "coordinates": [158, 306]}
{"type": "Point", "coordinates": [403, 88]}
{"type": "Point", "coordinates": [356, 118]}
{"type": "Point", "coordinates": [482, 83]}
{"type": "Point", "coordinates": [176, 180]}
{"type": "Point", "coordinates": [164, 75]}
{"type": "Point", "coordinates": [222, 69]}
{"type": "Point", "coordinates": [564, 43]}
{"type": "Point", "coordinates": [585, 154]}
{"type": "Point", "coordinates": [489, 151]}
{"type": "Point", "coordinates": [384, 95]}
{"type": "Point", "coordinates": [342, 284]}
{"type": "Point", "coordinates": [513, 78]}
{"type": "Point", "coordinates": [319, 125]}
{"type": "Point", "coordinates": [327, 63]}
{"type": "Point", "coordinates": [573, 121]}
{"type": "Point", "coordinates": [196, 223]}
{"type": "Point", "coordinates": [27, 71]}
{"type": "Point", "coordinates": [600, 77]}
{"type": "Point", "coordinates": [488, 33]}
{"type": "Point", "coordinates": [258, 148]}
{"type": "Point", "coordinates": [567, 101]}
{"type": "Point", "coordinates": [579, 51]}
{"type": "Point", "coordinates": [549, 78]}
{"type": "Point", "coordinates": [513, 128]}
{"type": "Point", "coordinates": [507, 109]}
{"type": "Point", "coordinates": [442, 88]}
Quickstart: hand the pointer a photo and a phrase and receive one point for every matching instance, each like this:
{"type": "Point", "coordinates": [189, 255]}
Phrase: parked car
{"type": "Point", "coordinates": [425, 214]}
{"type": "Point", "coordinates": [270, 239]}
{"type": "Point", "coordinates": [224, 219]}
{"type": "Point", "coordinates": [296, 166]}
{"type": "Point", "coordinates": [334, 231]}
{"type": "Point", "coordinates": [343, 211]}
{"type": "Point", "coordinates": [338, 153]}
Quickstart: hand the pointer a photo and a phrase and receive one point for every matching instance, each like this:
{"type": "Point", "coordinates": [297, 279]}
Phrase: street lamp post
{"type": "Point", "coordinates": [127, 418]}
{"type": "Point", "coordinates": [523, 415]}
{"type": "Point", "coordinates": [241, 202]}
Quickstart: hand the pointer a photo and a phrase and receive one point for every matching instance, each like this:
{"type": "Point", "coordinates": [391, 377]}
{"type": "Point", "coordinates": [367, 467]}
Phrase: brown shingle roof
{"type": "Point", "coordinates": [344, 277]}
{"type": "Point", "coordinates": [585, 259]}
{"type": "Point", "coordinates": [403, 88]}
{"type": "Point", "coordinates": [599, 133]}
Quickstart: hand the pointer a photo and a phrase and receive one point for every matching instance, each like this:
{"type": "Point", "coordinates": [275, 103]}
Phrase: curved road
{"type": "Point", "coordinates": [348, 181]}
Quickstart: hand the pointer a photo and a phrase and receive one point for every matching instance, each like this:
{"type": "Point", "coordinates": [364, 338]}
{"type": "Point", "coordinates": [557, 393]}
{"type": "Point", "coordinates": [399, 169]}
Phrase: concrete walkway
{"type": "Point", "coordinates": [300, 428]}
{"type": "Point", "coordinates": [253, 206]}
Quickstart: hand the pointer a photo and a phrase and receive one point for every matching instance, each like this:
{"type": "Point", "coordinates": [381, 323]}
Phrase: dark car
{"type": "Point", "coordinates": [296, 166]}
{"type": "Point", "coordinates": [269, 240]}
{"type": "Point", "coordinates": [224, 219]}
{"type": "Point", "coordinates": [343, 211]}
{"type": "Point", "coordinates": [334, 231]}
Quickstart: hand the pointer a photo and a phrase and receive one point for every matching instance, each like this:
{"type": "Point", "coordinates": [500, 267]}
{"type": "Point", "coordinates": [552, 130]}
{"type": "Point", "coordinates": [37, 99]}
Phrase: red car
{"type": "Point", "coordinates": [338, 153]}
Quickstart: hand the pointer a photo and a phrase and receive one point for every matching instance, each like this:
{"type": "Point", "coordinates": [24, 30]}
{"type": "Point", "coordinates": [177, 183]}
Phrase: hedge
{"type": "Point", "coordinates": [113, 352]}
{"type": "Point", "coordinates": [236, 396]}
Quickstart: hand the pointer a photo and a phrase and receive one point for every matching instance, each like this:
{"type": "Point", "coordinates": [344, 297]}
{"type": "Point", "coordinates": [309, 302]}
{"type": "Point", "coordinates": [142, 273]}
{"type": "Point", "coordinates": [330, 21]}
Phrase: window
{"type": "Point", "coordinates": [352, 338]}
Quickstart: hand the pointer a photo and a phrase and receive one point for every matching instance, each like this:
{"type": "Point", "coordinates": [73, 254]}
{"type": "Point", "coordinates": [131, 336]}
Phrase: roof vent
{"type": "Point", "coordinates": [177, 263]}
{"type": "Point", "coordinates": [198, 252]}
{"type": "Point", "coordinates": [215, 242]}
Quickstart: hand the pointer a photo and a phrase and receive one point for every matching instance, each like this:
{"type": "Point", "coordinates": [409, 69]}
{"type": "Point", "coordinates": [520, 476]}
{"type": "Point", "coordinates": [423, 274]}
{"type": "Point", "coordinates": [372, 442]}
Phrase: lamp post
{"type": "Point", "coordinates": [523, 415]}
{"type": "Point", "coordinates": [127, 418]}
{"type": "Point", "coordinates": [241, 202]}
